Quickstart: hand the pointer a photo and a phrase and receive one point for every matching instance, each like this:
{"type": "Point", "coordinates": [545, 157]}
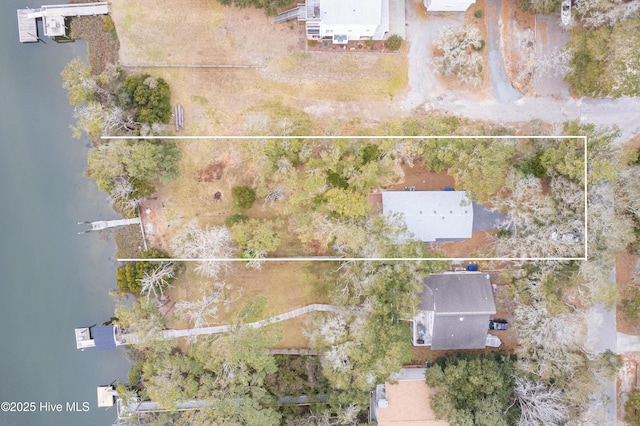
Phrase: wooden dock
{"type": "Point", "coordinates": [106, 224]}
{"type": "Point", "coordinates": [53, 18]}
{"type": "Point", "coordinates": [192, 332]}
{"type": "Point", "coordinates": [132, 339]}
{"type": "Point", "coordinates": [27, 28]}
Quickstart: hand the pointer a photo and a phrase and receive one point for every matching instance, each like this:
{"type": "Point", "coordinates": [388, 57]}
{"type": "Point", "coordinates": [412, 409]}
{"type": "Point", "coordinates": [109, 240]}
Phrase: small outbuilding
{"type": "Point", "coordinates": [432, 215]}
{"type": "Point", "coordinates": [455, 311]}
{"type": "Point", "coordinates": [103, 338]}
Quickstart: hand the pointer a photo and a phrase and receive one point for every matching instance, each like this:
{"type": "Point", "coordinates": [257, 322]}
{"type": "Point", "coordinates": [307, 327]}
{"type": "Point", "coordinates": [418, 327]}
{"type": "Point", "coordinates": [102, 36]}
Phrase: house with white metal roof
{"type": "Point", "coordinates": [447, 5]}
{"type": "Point", "coordinates": [454, 312]}
{"type": "Point", "coordinates": [343, 20]}
{"type": "Point", "coordinates": [432, 215]}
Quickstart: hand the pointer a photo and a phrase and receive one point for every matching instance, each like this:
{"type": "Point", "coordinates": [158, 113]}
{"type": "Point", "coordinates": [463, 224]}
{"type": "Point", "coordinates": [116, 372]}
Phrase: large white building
{"type": "Point", "coordinates": [432, 215]}
{"type": "Point", "coordinates": [447, 5]}
{"type": "Point", "coordinates": [344, 20]}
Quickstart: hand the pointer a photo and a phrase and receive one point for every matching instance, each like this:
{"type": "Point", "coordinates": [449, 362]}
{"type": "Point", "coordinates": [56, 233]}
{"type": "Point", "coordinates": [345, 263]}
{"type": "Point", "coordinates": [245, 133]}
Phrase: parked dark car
{"type": "Point", "coordinates": [498, 324]}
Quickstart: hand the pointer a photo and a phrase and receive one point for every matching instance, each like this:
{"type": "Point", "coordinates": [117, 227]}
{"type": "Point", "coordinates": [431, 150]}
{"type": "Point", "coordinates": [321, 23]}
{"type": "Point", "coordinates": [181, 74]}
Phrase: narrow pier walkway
{"type": "Point", "coordinates": [105, 224]}
{"type": "Point", "coordinates": [175, 334]}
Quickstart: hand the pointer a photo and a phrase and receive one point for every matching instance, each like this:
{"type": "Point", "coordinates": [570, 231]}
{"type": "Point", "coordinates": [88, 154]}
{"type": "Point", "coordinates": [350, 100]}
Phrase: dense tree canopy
{"type": "Point", "coordinates": [370, 341]}
{"type": "Point", "coordinates": [605, 62]}
{"type": "Point", "coordinates": [478, 165]}
{"type": "Point", "coordinates": [540, 6]}
{"type": "Point", "coordinates": [143, 161]}
{"type": "Point", "coordinates": [226, 371]}
{"type": "Point", "coordinates": [150, 97]}
{"type": "Point", "coordinates": [130, 277]}
{"type": "Point", "coordinates": [477, 390]}
{"type": "Point", "coordinates": [256, 238]}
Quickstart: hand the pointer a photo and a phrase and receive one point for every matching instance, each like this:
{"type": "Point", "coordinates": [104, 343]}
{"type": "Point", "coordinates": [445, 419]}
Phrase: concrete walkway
{"type": "Point", "coordinates": [627, 343]}
{"type": "Point", "coordinates": [485, 219]}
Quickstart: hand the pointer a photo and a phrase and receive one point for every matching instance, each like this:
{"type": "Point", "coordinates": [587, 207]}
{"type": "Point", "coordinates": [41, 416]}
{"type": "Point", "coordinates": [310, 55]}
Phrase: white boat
{"type": "Point", "coordinates": [565, 12]}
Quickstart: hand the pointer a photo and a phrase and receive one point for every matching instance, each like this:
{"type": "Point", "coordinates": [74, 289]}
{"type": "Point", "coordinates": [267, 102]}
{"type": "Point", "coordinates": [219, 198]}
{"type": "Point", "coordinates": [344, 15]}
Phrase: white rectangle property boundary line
{"type": "Point", "coordinates": [359, 259]}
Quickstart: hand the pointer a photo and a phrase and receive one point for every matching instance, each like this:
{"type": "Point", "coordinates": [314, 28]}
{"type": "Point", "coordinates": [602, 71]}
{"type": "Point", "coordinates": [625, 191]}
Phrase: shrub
{"type": "Point", "coordinates": [335, 180]}
{"type": "Point", "coordinates": [478, 13]}
{"type": "Point", "coordinates": [632, 408]}
{"type": "Point", "coordinates": [532, 167]}
{"type": "Point", "coordinates": [394, 42]}
{"type": "Point", "coordinates": [128, 276]}
{"type": "Point", "coordinates": [312, 43]}
{"type": "Point", "coordinates": [243, 196]}
{"type": "Point", "coordinates": [369, 153]}
{"type": "Point", "coordinates": [369, 43]}
{"type": "Point", "coordinates": [479, 46]}
{"type": "Point", "coordinates": [270, 7]}
{"type": "Point", "coordinates": [108, 23]}
{"type": "Point", "coordinates": [631, 305]}
{"type": "Point", "coordinates": [234, 218]}
{"type": "Point", "coordinates": [504, 233]}
{"type": "Point", "coordinates": [545, 7]}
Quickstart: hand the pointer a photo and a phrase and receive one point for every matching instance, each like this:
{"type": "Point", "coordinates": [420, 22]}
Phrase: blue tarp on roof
{"type": "Point", "coordinates": [104, 338]}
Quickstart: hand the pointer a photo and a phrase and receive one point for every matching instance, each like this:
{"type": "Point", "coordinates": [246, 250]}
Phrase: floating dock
{"type": "Point", "coordinates": [27, 28]}
{"type": "Point", "coordinates": [53, 19]}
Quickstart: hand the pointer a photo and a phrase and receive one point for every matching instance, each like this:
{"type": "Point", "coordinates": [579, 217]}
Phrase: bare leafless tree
{"type": "Point", "coordinates": [554, 63]}
{"type": "Point", "coordinates": [273, 196]}
{"type": "Point", "coordinates": [157, 280]}
{"type": "Point", "coordinates": [121, 195]}
{"type": "Point", "coordinates": [118, 121]}
{"type": "Point", "coordinates": [539, 404]}
{"type": "Point", "coordinates": [454, 57]}
{"type": "Point", "coordinates": [256, 124]}
{"type": "Point", "coordinates": [213, 244]}
{"type": "Point", "coordinates": [597, 13]}
{"type": "Point", "coordinates": [204, 311]}
{"type": "Point", "coordinates": [152, 129]}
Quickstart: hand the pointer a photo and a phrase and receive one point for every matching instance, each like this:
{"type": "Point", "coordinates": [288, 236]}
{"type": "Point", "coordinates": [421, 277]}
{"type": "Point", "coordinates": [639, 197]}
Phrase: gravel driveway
{"type": "Point", "coordinates": [552, 105]}
{"type": "Point", "coordinates": [421, 34]}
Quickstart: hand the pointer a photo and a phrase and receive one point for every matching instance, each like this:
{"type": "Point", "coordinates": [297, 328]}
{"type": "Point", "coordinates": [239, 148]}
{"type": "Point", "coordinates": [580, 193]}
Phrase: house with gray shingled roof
{"type": "Point", "coordinates": [455, 311]}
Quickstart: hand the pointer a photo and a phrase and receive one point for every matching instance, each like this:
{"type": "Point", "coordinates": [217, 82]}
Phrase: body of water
{"type": "Point", "coordinates": [51, 279]}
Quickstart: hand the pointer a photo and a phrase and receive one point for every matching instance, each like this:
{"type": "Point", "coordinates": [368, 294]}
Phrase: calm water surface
{"type": "Point", "coordinates": [51, 279]}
